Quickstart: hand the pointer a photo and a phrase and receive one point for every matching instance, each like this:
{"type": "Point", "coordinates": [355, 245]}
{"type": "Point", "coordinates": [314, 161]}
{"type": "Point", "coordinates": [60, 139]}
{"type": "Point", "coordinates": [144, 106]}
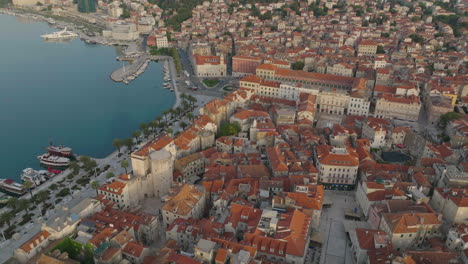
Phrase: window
{"type": "Point", "coordinates": [401, 235]}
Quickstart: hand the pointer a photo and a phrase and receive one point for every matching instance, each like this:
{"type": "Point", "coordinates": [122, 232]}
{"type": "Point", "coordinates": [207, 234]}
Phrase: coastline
{"type": "Point", "coordinates": [111, 154]}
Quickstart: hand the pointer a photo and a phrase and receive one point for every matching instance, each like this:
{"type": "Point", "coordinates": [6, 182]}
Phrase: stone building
{"type": "Point", "coordinates": [152, 168]}
{"type": "Point", "coordinates": [188, 203]}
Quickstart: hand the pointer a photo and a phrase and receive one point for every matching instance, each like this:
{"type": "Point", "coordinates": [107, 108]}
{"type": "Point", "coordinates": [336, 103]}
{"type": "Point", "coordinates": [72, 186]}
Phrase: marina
{"type": "Point", "coordinates": [83, 104]}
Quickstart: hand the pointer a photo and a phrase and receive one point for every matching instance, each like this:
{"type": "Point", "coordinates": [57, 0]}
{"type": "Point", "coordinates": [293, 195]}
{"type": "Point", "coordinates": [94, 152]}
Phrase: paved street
{"type": "Point", "coordinates": [335, 246]}
{"type": "Point", "coordinates": [34, 226]}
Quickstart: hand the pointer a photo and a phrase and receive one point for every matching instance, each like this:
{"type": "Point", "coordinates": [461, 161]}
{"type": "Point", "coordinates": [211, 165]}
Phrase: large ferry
{"type": "Point", "coordinates": [63, 34]}
{"type": "Point", "coordinates": [54, 161]}
{"type": "Point", "coordinates": [60, 151]}
{"type": "Point", "coordinates": [11, 187]}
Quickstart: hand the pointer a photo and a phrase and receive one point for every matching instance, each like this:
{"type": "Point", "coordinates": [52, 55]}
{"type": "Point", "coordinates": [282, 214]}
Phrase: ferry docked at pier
{"type": "Point", "coordinates": [63, 34]}
{"type": "Point", "coordinates": [48, 159]}
{"type": "Point", "coordinates": [11, 187]}
{"type": "Point", "coordinates": [60, 151]}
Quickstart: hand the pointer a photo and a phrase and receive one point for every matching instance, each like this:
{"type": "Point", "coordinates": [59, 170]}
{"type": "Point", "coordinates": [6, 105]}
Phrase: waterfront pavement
{"type": "Point", "coordinates": [30, 229]}
{"type": "Point", "coordinates": [335, 244]}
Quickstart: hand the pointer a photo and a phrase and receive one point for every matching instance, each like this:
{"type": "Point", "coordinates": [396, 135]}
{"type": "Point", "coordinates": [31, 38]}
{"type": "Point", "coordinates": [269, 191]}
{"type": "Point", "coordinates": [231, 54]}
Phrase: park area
{"type": "Point", "coordinates": [75, 250]}
{"type": "Point", "coordinates": [210, 82]}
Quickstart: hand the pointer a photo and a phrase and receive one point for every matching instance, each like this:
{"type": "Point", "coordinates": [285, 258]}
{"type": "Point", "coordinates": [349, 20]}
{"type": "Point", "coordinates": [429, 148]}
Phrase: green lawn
{"type": "Point", "coordinates": [210, 82]}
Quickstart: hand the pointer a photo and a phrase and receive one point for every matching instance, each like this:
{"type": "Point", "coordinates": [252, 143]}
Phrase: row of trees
{"type": "Point", "coordinates": [17, 205]}
{"type": "Point", "coordinates": [160, 123]}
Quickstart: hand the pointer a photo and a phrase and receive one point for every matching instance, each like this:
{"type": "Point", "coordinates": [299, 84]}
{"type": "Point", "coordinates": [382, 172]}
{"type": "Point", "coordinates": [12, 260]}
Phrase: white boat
{"type": "Point", "coordinates": [54, 161]}
{"type": "Point", "coordinates": [60, 34]}
{"type": "Point", "coordinates": [32, 176]}
{"type": "Point", "coordinates": [11, 187]}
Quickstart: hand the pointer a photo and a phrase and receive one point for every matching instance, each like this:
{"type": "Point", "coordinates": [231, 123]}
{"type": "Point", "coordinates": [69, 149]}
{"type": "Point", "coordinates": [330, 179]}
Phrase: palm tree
{"type": "Point", "coordinates": [183, 96]}
{"type": "Point", "coordinates": [42, 196]}
{"type": "Point", "coordinates": [183, 125]}
{"type": "Point", "coordinates": [146, 132]}
{"type": "Point", "coordinates": [109, 175]}
{"type": "Point", "coordinates": [86, 159]}
{"type": "Point", "coordinates": [128, 142]}
{"type": "Point", "coordinates": [165, 113]}
{"type": "Point", "coordinates": [23, 204]}
{"type": "Point", "coordinates": [185, 105]}
{"type": "Point", "coordinates": [178, 111]}
{"type": "Point", "coordinates": [136, 134]}
{"type": "Point", "coordinates": [143, 126]}
{"type": "Point", "coordinates": [169, 131]}
{"type": "Point", "coordinates": [124, 165]}
{"type": "Point", "coordinates": [158, 119]}
{"type": "Point", "coordinates": [6, 218]}
{"type": "Point", "coordinates": [173, 113]}
{"type": "Point", "coordinates": [11, 203]}
{"type": "Point", "coordinates": [190, 116]}
{"type": "Point", "coordinates": [74, 167]}
{"type": "Point", "coordinates": [28, 186]}
{"type": "Point", "coordinates": [192, 101]}
{"type": "Point", "coordinates": [117, 143]}
{"type": "Point", "coordinates": [95, 185]}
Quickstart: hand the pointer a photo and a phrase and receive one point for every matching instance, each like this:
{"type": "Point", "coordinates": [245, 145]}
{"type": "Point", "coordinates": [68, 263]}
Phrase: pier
{"type": "Point", "coordinates": [130, 72]}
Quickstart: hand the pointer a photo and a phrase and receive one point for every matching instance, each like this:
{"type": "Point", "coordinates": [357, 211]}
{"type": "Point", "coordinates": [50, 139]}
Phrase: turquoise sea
{"type": "Point", "coordinates": [61, 91]}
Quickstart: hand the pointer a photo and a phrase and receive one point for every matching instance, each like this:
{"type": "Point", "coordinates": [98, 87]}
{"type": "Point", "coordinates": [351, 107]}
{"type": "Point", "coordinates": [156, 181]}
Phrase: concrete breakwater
{"type": "Point", "coordinates": [130, 72]}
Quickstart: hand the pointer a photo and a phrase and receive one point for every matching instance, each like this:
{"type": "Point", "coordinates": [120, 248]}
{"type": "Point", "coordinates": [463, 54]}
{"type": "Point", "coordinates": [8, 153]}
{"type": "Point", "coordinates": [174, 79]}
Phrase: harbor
{"type": "Point", "coordinates": [81, 90]}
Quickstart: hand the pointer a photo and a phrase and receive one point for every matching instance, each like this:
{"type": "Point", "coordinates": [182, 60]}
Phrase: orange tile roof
{"type": "Point", "coordinates": [110, 253]}
{"type": "Point", "coordinates": [202, 60]}
{"type": "Point", "coordinates": [221, 255]}
{"type": "Point", "coordinates": [34, 241]}
{"type": "Point", "coordinates": [115, 187]}
{"type": "Point", "coordinates": [102, 236]}
{"type": "Point", "coordinates": [409, 222]}
{"type": "Point", "coordinates": [327, 157]}
{"type": "Point", "coordinates": [184, 201]}
{"type": "Point", "coordinates": [133, 249]}
{"type": "Point", "coordinates": [155, 144]}
{"type": "Point", "coordinates": [251, 78]}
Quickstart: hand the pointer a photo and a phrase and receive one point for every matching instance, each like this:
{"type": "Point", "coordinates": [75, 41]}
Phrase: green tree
{"type": "Point", "coordinates": [128, 142]}
{"type": "Point", "coordinates": [28, 185]}
{"type": "Point", "coordinates": [42, 196]}
{"type": "Point", "coordinates": [446, 118]}
{"type": "Point", "coordinates": [23, 204]}
{"type": "Point", "coordinates": [227, 129]}
{"type": "Point", "coordinates": [109, 175]}
{"type": "Point", "coordinates": [190, 116]}
{"type": "Point", "coordinates": [6, 217]}
{"type": "Point", "coordinates": [117, 143]}
{"type": "Point", "coordinates": [95, 185]}
{"type": "Point", "coordinates": [53, 187]}
{"type": "Point", "coordinates": [74, 167]}
{"type": "Point", "coordinates": [166, 113]}
{"type": "Point", "coordinates": [416, 38]}
{"type": "Point", "coordinates": [298, 65]}
{"type": "Point", "coordinates": [183, 125]}
{"type": "Point", "coordinates": [380, 49]}
{"type": "Point", "coordinates": [136, 134]}
{"type": "Point", "coordinates": [124, 165]}
{"type": "Point", "coordinates": [12, 203]}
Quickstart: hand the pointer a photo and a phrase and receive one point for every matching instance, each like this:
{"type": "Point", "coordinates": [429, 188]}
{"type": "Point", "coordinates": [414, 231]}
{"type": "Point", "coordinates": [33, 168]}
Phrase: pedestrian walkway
{"type": "Point", "coordinates": [335, 247]}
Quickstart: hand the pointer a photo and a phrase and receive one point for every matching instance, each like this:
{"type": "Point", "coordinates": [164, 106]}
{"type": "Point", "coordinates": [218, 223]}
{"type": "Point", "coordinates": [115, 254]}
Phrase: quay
{"type": "Point", "coordinates": [131, 71]}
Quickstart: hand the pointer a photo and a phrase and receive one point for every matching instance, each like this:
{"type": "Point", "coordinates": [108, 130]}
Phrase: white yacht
{"type": "Point", "coordinates": [63, 34]}
{"type": "Point", "coordinates": [33, 176]}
